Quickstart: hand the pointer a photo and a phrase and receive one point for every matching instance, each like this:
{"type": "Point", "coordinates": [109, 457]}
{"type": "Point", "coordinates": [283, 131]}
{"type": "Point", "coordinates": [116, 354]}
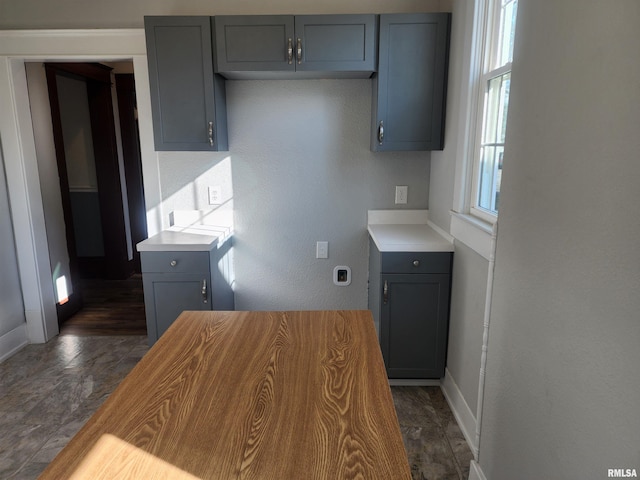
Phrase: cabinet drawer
{"type": "Point", "coordinates": [416, 262]}
{"type": "Point", "coordinates": [175, 262]}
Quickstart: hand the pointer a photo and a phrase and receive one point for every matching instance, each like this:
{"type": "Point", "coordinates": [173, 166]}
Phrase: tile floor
{"type": "Point", "coordinates": [47, 392]}
{"type": "Point", "coordinates": [436, 448]}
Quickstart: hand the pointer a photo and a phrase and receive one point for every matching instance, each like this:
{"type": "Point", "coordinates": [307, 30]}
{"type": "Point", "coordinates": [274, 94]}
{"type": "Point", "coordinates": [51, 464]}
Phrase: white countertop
{"type": "Point", "coordinates": [194, 238]}
{"type": "Point", "coordinates": [405, 231]}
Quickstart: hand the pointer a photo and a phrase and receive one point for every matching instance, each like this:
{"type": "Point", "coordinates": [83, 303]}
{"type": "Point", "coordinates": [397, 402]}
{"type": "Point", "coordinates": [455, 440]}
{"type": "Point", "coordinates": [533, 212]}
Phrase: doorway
{"type": "Point", "coordinates": [97, 157]}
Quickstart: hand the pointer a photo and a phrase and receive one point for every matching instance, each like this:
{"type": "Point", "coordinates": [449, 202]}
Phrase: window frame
{"type": "Point", "coordinates": [488, 49]}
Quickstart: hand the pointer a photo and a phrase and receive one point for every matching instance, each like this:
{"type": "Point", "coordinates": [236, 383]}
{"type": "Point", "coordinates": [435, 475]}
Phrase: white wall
{"type": "Point", "coordinates": [563, 386]}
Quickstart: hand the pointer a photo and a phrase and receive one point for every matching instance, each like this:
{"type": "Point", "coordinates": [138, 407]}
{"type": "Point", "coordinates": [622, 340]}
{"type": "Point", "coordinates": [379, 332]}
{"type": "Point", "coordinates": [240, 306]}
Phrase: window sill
{"type": "Point", "coordinates": [474, 233]}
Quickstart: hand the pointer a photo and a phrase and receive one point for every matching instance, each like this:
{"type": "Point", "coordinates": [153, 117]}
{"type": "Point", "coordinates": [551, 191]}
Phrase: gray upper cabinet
{"type": "Point", "coordinates": [409, 91]}
{"type": "Point", "coordinates": [284, 46]}
{"type": "Point", "coordinates": [336, 43]}
{"type": "Point", "coordinates": [253, 43]}
{"type": "Point", "coordinates": [187, 99]}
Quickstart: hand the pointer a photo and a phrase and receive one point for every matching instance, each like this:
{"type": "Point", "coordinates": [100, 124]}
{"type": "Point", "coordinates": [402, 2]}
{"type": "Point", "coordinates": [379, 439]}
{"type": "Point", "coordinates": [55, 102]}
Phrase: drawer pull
{"type": "Point", "coordinates": [210, 133]}
{"type": "Point", "coordinates": [416, 263]}
{"type": "Point", "coordinates": [173, 263]}
{"type": "Point", "coordinates": [204, 291]}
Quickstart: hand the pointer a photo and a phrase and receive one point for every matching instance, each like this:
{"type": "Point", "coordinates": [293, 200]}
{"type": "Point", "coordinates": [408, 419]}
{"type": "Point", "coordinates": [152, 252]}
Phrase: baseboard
{"type": "Point", "coordinates": [464, 415]}
{"type": "Point", "coordinates": [13, 341]}
{"type": "Point", "coordinates": [413, 382]}
{"type": "Point", "coordinates": [475, 472]}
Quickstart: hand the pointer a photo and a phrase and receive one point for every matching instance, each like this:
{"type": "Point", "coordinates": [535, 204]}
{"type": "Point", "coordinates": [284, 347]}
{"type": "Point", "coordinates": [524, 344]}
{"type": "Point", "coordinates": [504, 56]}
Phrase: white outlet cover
{"type": "Point", "coordinates": [215, 195]}
{"type": "Point", "coordinates": [402, 192]}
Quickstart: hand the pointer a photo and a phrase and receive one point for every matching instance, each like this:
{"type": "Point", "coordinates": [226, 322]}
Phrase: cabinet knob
{"type": "Point", "coordinates": [173, 263]}
{"type": "Point", "coordinates": [416, 263]}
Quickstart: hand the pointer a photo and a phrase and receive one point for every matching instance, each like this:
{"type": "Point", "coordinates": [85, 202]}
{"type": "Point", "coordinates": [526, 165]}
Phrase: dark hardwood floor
{"type": "Point", "coordinates": [110, 307]}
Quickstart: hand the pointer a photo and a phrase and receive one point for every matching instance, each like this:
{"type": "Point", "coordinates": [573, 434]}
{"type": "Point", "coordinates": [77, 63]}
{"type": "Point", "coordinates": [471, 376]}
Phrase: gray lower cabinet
{"type": "Point", "coordinates": [324, 45]}
{"type": "Point", "coordinates": [409, 90]}
{"type": "Point", "coordinates": [409, 296]}
{"type": "Point", "coordinates": [188, 101]}
{"type": "Point", "coordinates": [177, 281]}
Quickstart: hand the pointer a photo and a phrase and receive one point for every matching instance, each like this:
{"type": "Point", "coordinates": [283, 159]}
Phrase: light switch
{"type": "Point", "coordinates": [322, 250]}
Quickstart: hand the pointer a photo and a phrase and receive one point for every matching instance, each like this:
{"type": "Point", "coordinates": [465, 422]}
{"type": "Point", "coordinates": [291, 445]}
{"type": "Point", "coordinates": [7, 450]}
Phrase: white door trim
{"type": "Point", "coordinates": [16, 48]}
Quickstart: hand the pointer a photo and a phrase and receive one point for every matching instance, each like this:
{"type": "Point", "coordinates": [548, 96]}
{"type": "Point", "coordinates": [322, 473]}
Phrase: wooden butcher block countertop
{"type": "Point", "coordinates": [251, 395]}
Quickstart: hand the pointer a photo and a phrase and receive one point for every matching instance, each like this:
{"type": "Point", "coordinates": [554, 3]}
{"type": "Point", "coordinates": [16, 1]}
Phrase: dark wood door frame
{"type": "Point", "coordinates": [117, 264]}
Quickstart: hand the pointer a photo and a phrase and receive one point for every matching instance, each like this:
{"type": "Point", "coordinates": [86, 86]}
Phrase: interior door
{"type": "Point", "coordinates": [11, 305]}
{"type": "Point", "coordinates": [111, 258]}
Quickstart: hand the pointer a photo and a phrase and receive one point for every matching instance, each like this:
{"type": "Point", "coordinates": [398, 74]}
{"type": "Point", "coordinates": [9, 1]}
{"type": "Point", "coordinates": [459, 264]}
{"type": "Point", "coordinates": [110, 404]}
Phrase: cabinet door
{"type": "Point", "coordinates": [414, 323]}
{"type": "Point", "coordinates": [167, 295]}
{"type": "Point", "coordinates": [187, 100]}
{"type": "Point", "coordinates": [246, 43]}
{"type": "Point", "coordinates": [409, 91]}
{"type": "Point", "coordinates": [336, 43]}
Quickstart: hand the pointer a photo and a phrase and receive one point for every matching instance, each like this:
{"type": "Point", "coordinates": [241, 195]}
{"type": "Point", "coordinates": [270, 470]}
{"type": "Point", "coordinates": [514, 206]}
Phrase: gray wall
{"type": "Point", "coordinates": [563, 386]}
{"type": "Point", "coordinates": [443, 166]}
{"type": "Point", "coordinates": [299, 170]}
{"type": "Point", "coordinates": [127, 14]}
{"type": "Point", "coordinates": [469, 281]}
{"type": "Point", "coordinates": [468, 294]}
{"type": "Point", "coordinates": [11, 307]}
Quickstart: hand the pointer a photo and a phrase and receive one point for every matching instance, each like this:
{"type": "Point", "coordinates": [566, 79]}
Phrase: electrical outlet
{"type": "Point", "coordinates": [322, 250]}
{"type": "Point", "coordinates": [342, 275]}
{"type": "Point", "coordinates": [215, 195]}
{"type": "Point", "coordinates": [402, 191]}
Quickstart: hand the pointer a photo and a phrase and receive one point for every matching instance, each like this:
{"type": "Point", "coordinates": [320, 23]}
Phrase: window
{"type": "Point", "coordinates": [495, 83]}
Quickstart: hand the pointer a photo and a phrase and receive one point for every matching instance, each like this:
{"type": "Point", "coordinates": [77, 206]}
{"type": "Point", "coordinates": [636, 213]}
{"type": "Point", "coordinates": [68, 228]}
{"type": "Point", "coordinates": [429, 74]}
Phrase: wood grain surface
{"type": "Point", "coordinates": [248, 395]}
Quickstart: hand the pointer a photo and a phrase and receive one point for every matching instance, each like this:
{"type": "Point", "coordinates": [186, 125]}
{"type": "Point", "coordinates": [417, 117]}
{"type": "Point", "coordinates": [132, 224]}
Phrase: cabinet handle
{"type": "Point", "coordinates": [290, 51]}
{"type": "Point", "coordinates": [416, 263]}
{"type": "Point", "coordinates": [380, 132]}
{"type": "Point", "coordinates": [204, 291]}
{"type": "Point", "coordinates": [211, 133]}
{"type": "Point", "coordinates": [299, 50]}
{"type": "Point", "coordinates": [385, 293]}
{"type": "Point", "coordinates": [173, 263]}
